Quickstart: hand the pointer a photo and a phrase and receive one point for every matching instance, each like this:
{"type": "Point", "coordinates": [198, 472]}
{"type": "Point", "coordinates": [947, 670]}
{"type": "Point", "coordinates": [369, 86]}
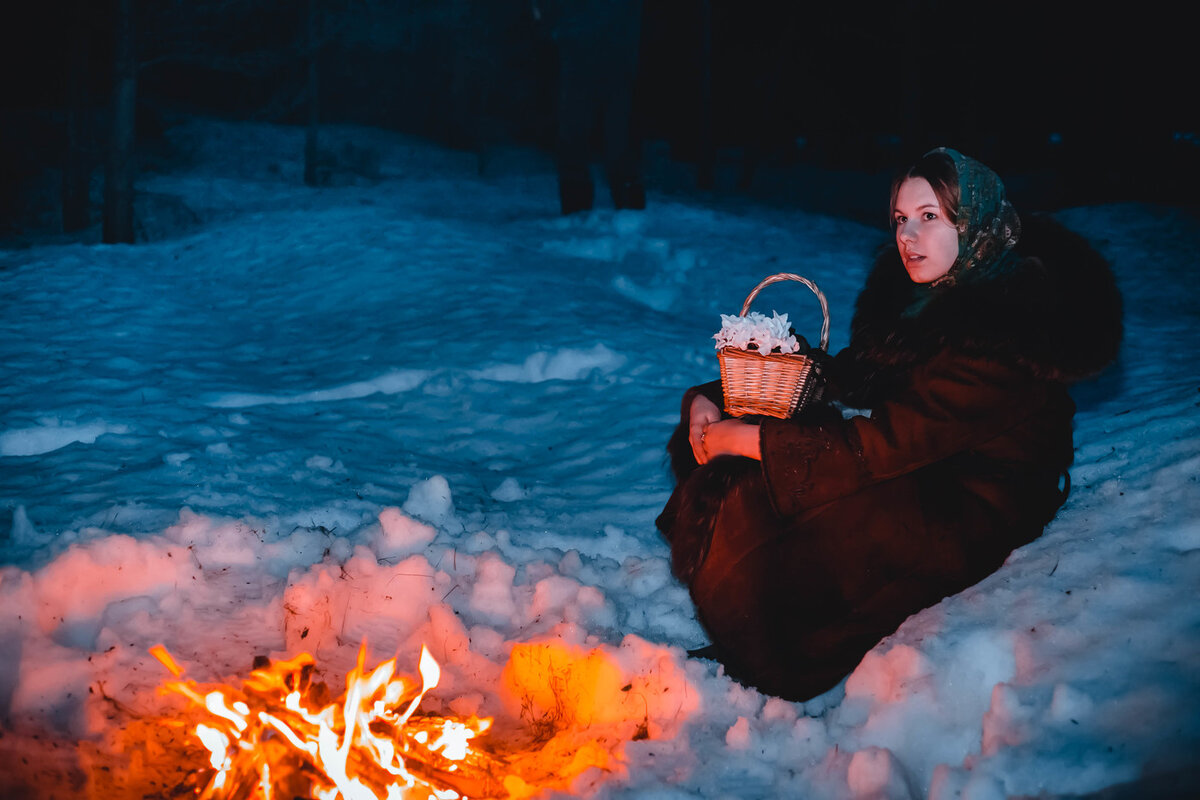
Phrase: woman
{"type": "Point", "coordinates": [805, 541]}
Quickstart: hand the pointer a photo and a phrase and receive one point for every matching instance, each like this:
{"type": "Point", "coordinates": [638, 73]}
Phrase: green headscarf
{"type": "Point", "coordinates": [988, 225]}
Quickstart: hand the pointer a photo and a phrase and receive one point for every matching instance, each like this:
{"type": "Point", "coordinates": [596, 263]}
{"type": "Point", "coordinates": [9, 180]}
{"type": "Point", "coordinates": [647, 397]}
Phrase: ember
{"type": "Point", "coordinates": [282, 736]}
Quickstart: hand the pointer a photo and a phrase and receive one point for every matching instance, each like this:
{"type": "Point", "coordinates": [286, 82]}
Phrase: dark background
{"type": "Point", "coordinates": [1071, 103]}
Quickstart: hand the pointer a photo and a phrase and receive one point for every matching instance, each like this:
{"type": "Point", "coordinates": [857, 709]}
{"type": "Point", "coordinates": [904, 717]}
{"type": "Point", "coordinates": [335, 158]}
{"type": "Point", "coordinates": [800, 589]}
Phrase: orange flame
{"type": "Point", "coordinates": [268, 735]}
{"type": "Point", "coordinates": [281, 735]}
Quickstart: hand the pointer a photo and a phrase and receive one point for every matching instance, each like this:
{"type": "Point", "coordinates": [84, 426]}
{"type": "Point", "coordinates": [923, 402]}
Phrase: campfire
{"type": "Point", "coordinates": [281, 736]}
{"type": "Point", "coordinates": [568, 713]}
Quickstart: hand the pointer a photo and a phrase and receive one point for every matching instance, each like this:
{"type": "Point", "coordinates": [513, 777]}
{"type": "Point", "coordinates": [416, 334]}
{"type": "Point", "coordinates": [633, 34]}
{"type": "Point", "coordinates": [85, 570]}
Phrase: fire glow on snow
{"type": "Point", "coordinates": [427, 411]}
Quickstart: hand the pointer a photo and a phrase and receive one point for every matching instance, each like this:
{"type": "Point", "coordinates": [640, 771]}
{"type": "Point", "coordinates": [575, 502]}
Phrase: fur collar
{"type": "Point", "coordinates": [1054, 310]}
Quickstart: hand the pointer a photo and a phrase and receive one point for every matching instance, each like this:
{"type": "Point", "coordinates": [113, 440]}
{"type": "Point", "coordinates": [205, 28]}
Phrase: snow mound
{"type": "Point", "coordinates": [52, 435]}
{"type": "Point", "coordinates": [401, 535]}
{"type": "Point", "coordinates": [395, 382]}
{"type": "Point", "coordinates": [565, 364]}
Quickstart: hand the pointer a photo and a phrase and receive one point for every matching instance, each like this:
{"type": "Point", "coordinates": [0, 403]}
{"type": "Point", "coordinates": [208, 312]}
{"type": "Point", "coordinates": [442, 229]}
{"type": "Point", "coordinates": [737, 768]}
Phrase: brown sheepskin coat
{"type": "Point", "coordinates": [798, 565]}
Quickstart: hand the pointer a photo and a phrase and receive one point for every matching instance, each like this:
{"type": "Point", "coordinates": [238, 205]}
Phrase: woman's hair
{"type": "Point", "coordinates": [937, 168]}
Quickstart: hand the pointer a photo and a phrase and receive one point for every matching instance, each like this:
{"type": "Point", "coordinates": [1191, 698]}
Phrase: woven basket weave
{"type": "Point", "coordinates": [771, 384]}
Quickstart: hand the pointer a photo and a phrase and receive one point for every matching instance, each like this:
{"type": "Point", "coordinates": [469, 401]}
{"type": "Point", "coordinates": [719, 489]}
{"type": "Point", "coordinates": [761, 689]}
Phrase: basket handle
{"type": "Point", "coordinates": [791, 276]}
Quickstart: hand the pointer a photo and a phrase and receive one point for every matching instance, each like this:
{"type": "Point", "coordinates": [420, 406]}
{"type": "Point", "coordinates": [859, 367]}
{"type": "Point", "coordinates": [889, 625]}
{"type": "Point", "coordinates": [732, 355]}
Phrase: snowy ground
{"type": "Point", "coordinates": [426, 409]}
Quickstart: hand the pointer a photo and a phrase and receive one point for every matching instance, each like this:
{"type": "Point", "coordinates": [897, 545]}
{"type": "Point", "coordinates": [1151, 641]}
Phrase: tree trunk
{"type": "Point", "coordinates": [312, 176]}
{"type": "Point", "coordinates": [77, 168]}
{"type": "Point", "coordinates": [118, 181]}
{"type": "Point", "coordinates": [912, 131]}
{"type": "Point", "coordinates": [706, 169]}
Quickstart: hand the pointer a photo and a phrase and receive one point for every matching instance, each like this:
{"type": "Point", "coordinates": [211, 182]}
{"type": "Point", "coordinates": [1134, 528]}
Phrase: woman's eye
{"type": "Point", "coordinates": [900, 220]}
{"type": "Point", "coordinates": [930, 215]}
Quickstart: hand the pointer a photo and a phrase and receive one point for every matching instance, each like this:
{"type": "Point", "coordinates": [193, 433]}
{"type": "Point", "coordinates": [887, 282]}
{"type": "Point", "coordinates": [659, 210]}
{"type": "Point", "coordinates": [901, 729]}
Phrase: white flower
{"type": "Point", "coordinates": [767, 335]}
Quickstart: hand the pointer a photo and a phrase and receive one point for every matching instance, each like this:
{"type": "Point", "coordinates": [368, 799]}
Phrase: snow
{"type": "Point", "coordinates": [428, 410]}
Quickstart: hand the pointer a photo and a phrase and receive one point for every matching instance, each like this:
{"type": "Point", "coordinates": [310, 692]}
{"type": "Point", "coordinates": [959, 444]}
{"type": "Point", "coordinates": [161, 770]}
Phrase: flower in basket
{"type": "Point", "coordinates": [758, 333]}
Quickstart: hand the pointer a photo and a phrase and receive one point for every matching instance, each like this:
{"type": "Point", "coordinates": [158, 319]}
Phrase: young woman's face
{"type": "Point", "coordinates": [927, 240]}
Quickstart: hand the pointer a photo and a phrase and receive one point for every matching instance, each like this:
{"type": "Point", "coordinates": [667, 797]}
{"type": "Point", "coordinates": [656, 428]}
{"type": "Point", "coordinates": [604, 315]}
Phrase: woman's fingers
{"type": "Point", "coordinates": [696, 437]}
{"type": "Point", "coordinates": [703, 413]}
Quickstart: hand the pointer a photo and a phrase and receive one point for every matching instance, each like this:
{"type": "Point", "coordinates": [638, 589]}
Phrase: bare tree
{"type": "Point", "coordinates": [912, 129]}
{"type": "Point", "coordinates": [118, 179]}
{"type": "Point", "coordinates": [77, 160]}
{"type": "Point", "coordinates": [312, 175]}
{"type": "Point", "coordinates": [706, 174]}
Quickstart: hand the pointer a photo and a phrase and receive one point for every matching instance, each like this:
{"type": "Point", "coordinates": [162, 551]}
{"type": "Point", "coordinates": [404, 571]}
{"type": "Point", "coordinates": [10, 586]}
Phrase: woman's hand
{"type": "Point", "coordinates": [704, 412]}
{"type": "Point", "coordinates": [730, 437]}
{"type": "Point", "coordinates": [710, 436]}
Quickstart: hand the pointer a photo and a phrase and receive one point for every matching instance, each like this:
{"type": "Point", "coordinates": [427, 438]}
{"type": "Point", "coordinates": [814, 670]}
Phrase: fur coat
{"type": "Point", "coordinates": [798, 565]}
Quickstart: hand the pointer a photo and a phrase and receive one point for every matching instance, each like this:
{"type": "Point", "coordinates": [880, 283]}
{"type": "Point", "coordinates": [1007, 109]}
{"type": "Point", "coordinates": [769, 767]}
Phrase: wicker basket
{"type": "Point", "coordinates": [771, 384]}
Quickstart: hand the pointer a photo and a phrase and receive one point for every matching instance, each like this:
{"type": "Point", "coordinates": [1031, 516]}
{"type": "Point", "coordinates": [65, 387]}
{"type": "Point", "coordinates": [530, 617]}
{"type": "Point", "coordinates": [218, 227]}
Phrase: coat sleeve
{"type": "Point", "coordinates": [954, 403]}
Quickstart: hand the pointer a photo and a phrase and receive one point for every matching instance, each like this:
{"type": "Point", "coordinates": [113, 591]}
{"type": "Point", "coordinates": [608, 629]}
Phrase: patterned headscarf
{"type": "Point", "coordinates": [988, 225]}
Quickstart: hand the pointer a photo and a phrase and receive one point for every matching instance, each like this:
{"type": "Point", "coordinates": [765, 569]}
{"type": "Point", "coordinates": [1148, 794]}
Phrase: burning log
{"type": "Point", "coordinates": [281, 736]}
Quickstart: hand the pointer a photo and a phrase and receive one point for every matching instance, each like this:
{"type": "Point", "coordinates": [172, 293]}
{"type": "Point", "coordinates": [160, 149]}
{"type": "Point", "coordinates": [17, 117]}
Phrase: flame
{"type": "Point", "coordinates": [367, 745]}
{"type": "Point", "coordinates": [282, 735]}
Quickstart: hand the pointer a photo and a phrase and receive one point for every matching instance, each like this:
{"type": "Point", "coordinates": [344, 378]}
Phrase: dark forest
{"type": "Point", "coordinates": [1076, 99]}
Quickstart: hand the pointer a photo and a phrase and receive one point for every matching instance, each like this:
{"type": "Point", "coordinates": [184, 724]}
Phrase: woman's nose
{"type": "Point", "coordinates": [904, 231]}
